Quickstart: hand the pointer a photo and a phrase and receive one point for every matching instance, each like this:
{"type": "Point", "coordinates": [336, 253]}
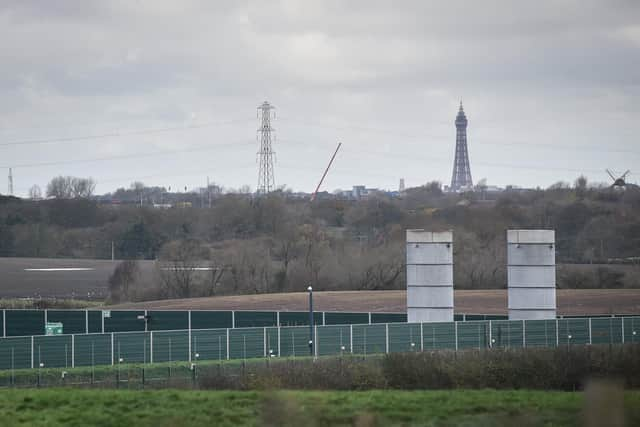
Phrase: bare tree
{"type": "Point", "coordinates": [68, 187]}
{"type": "Point", "coordinates": [180, 263]}
{"type": "Point", "coordinates": [82, 188]}
{"type": "Point", "coordinates": [35, 193]}
{"type": "Point", "coordinates": [121, 280]}
{"type": "Point", "coordinates": [59, 187]}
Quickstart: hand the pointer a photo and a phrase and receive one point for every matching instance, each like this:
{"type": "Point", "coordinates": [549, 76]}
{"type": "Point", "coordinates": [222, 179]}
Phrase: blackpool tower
{"type": "Point", "coordinates": [461, 178]}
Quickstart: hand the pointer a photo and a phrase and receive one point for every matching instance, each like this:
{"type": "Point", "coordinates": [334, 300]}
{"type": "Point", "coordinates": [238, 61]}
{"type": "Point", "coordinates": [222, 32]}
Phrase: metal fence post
{"type": "Point", "coordinates": [369, 317]}
{"type": "Point", "coordinates": [73, 351]}
{"type": "Point", "coordinates": [151, 346]}
{"type": "Point", "coordinates": [32, 356]}
{"type": "Point", "coordinates": [524, 340]}
{"type": "Point", "coordinates": [233, 319]}
{"type": "Point", "coordinates": [228, 342]}
{"type": "Point", "coordinates": [323, 319]}
{"type": "Point", "coordinates": [315, 340]}
{"type": "Point", "coordinates": [456, 333]}
{"type": "Point", "coordinates": [190, 347]}
{"type": "Point", "coordinates": [351, 338]}
{"type": "Point", "coordinates": [102, 320]}
{"type": "Point", "coordinates": [557, 334]}
{"type": "Point", "coordinates": [264, 336]}
{"type": "Point", "coordinates": [112, 348]}
{"type": "Point", "coordinates": [46, 316]}
{"type": "Point", "coordinates": [490, 335]}
{"type": "Point", "coordinates": [4, 323]}
{"type": "Point", "coordinates": [386, 335]}
{"type": "Point", "coordinates": [278, 341]}
{"type": "Point", "coordinates": [590, 336]}
{"type": "Point", "coordinates": [277, 318]}
{"type": "Point", "coordinates": [622, 325]}
{"type": "Point", "coordinates": [421, 338]}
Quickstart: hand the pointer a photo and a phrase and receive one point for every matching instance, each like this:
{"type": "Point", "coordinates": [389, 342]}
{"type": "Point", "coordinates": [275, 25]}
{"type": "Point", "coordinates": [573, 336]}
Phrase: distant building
{"type": "Point", "coordinates": [401, 186]}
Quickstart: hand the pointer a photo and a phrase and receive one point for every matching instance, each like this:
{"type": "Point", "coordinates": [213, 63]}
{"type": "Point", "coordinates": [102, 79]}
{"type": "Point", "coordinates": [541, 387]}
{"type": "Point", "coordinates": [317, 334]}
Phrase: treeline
{"type": "Point", "coordinates": [247, 244]}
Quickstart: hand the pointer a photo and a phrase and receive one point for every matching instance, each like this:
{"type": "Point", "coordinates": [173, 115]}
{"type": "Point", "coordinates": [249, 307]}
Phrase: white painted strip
{"type": "Point", "coordinates": [60, 269]}
{"type": "Point", "coordinates": [189, 268]}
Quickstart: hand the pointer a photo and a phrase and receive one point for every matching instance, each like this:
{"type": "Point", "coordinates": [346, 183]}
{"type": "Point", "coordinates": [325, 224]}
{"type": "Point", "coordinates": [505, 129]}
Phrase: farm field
{"type": "Point", "coordinates": [73, 407]}
{"type": "Point", "coordinates": [570, 302]}
{"type": "Point", "coordinates": [87, 279]}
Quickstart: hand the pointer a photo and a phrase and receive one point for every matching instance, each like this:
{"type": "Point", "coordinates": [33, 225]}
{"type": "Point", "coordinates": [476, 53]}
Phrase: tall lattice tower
{"type": "Point", "coordinates": [461, 178]}
{"type": "Point", "coordinates": [266, 180]}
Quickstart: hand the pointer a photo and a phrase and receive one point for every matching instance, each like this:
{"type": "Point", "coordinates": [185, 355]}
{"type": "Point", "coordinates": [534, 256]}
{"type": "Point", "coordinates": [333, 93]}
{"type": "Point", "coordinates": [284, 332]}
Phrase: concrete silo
{"type": "Point", "coordinates": [531, 274]}
{"type": "Point", "coordinates": [429, 276]}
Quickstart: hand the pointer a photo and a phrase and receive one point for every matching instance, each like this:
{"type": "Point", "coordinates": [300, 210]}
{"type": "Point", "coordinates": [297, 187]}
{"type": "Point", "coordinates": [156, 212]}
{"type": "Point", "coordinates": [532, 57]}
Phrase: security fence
{"type": "Point", "coordinates": [14, 323]}
{"type": "Point", "coordinates": [115, 348]}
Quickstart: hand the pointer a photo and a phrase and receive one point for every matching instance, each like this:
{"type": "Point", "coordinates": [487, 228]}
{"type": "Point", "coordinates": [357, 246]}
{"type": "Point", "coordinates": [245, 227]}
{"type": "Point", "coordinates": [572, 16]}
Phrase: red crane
{"type": "Point", "coordinates": [313, 196]}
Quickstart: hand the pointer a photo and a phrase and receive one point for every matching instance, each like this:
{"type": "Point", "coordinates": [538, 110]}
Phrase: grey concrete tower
{"type": "Point", "coordinates": [461, 178]}
{"type": "Point", "coordinates": [429, 276]}
{"type": "Point", "coordinates": [531, 274]}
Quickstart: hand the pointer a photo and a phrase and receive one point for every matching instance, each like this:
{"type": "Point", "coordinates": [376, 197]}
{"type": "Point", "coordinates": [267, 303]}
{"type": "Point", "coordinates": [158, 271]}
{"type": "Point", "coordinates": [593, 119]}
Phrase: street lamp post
{"type": "Point", "coordinates": [310, 289]}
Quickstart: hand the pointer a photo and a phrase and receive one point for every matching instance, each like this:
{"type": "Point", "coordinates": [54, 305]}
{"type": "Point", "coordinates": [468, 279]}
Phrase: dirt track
{"type": "Point", "coordinates": [574, 302]}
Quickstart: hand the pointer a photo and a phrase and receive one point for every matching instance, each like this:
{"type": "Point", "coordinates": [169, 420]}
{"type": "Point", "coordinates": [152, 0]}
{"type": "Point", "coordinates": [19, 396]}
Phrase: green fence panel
{"type": "Point", "coordinates": [473, 334]}
{"type": "Point", "coordinates": [333, 340]}
{"type": "Point", "coordinates": [404, 337]}
{"type": "Point", "coordinates": [24, 322]}
{"type": "Point", "coordinates": [631, 329]}
{"type": "Point", "coordinates": [299, 318]}
{"type": "Point", "coordinates": [249, 319]}
{"type": "Point", "coordinates": [540, 333]}
{"type": "Point", "coordinates": [345, 318]}
{"type": "Point", "coordinates": [294, 341]}
{"type": "Point", "coordinates": [124, 321]}
{"type": "Point", "coordinates": [73, 321]}
{"type": "Point", "coordinates": [131, 347]}
{"type": "Point", "coordinates": [388, 317]}
{"type": "Point", "coordinates": [368, 339]}
{"type": "Point", "coordinates": [95, 321]}
{"type": "Point", "coordinates": [246, 343]}
{"type": "Point", "coordinates": [507, 333]}
{"type": "Point", "coordinates": [606, 330]}
{"type": "Point", "coordinates": [203, 319]}
{"type": "Point", "coordinates": [169, 346]}
{"type": "Point", "coordinates": [15, 353]}
{"type": "Point", "coordinates": [573, 331]}
{"type": "Point", "coordinates": [439, 335]}
{"type": "Point", "coordinates": [52, 351]}
{"type": "Point", "coordinates": [209, 344]}
{"type": "Point", "coordinates": [166, 320]}
{"type": "Point", "coordinates": [92, 349]}
{"type": "Point", "coordinates": [458, 317]}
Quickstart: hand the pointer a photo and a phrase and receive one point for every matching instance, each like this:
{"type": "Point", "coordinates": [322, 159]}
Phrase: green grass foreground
{"type": "Point", "coordinates": [185, 408]}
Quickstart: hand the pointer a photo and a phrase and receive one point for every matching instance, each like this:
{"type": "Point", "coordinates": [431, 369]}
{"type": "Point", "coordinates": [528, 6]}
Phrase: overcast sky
{"type": "Point", "coordinates": [550, 89]}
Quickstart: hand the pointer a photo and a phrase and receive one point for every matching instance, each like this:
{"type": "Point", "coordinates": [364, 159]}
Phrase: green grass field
{"type": "Point", "coordinates": [185, 408]}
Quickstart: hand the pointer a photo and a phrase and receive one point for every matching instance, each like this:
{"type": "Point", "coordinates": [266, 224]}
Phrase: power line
{"type": "Point", "coordinates": [439, 160]}
{"type": "Point", "coordinates": [119, 134]}
{"type": "Point", "coordinates": [422, 137]}
{"type": "Point", "coordinates": [132, 156]}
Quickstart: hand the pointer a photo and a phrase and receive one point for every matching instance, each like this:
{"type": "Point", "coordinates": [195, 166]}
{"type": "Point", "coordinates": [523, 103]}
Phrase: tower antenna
{"type": "Point", "coordinates": [461, 178]}
{"type": "Point", "coordinates": [266, 179]}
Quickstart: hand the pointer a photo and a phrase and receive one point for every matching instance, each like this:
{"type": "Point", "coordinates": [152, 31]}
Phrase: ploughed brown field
{"type": "Point", "coordinates": [570, 302]}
